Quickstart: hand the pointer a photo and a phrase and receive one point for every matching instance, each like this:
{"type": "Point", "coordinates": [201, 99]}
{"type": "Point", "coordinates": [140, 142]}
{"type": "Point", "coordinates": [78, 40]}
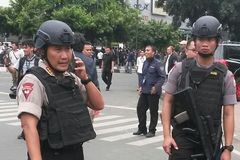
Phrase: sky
{"type": "Point", "coordinates": [4, 3]}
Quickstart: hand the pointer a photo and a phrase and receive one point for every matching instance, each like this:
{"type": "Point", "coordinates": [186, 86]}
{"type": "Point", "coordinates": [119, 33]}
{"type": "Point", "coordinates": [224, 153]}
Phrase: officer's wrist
{"type": "Point", "coordinates": [86, 81]}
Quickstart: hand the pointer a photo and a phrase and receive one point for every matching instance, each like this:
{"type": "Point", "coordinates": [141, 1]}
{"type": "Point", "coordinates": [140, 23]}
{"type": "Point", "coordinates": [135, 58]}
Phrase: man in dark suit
{"type": "Point", "coordinates": [170, 59]}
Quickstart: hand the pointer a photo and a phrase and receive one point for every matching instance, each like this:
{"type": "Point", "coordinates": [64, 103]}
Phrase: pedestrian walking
{"type": "Point", "coordinates": [53, 102]}
{"type": "Point", "coordinates": [197, 134]}
{"type": "Point", "coordinates": [150, 91]}
{"type": "Point", "coordinates": [107, 67]}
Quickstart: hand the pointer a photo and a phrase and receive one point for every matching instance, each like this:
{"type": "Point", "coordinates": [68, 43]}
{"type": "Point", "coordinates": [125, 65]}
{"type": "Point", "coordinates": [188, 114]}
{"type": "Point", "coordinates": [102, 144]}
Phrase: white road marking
{"type": "Point", "coordinates": [116, 129]}
{"type": "Point", "coordinates": [8, 119]}
{"type": "Point", "coordinates": [8, 110]}
{"type": "Point", "coordinates": [8, 114]}
{"type": "Point", "coordinates": [15, 123]}
{"type": "Point", "coordinates": [146, 141]}
{"type": "Point", "coordinates": [12, 106]}
{"type": "Point", "coordinates": [105, 118]}
{"type": "Point", "coordinates": [114, 122]}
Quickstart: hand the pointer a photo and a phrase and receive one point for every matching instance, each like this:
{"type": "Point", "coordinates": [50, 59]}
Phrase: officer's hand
{"type": "Point", "coordinates": [226, 155]}
{"type": "Point", "coordinates": [80, 69]}
{"type": "Point", "coordinates": [153, 90]}
{"type": "Point", "coordinates": [140, 90]}
{"type": "Point", "coordinates": [168, 143]}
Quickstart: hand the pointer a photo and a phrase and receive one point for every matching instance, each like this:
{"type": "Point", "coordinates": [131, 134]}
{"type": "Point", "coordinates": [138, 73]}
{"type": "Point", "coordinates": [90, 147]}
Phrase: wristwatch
{"type": "Point", "coordinates": [85, 82]}
{"type": "Point", "coordinates": [229, 147]}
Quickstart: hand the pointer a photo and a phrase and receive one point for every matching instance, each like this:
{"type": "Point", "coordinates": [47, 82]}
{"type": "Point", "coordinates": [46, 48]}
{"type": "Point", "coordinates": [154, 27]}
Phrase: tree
{"type": "Point", "coordinates": [159, 34]}
{"type": "Point", "coordinates": [225, 10]}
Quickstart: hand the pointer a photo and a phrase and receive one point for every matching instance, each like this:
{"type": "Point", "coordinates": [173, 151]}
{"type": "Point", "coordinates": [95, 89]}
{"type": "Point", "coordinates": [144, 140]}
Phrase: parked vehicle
{"type": "Point", "coordinates": [228, 53]}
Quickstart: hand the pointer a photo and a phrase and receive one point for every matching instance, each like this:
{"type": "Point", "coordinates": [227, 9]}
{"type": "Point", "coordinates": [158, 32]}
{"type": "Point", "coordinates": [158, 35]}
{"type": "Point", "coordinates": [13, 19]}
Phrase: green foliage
{"type": "Point", "coordinates": [101, 21]}
{"type": "Point", "coordinates": [159, 34]}
{"type": "Point", "coordinates": [225, 10]}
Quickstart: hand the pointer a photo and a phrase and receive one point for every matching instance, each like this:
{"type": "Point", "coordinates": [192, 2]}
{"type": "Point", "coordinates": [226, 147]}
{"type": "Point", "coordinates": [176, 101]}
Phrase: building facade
{"type": "Point", "coordinates": [150, 10]}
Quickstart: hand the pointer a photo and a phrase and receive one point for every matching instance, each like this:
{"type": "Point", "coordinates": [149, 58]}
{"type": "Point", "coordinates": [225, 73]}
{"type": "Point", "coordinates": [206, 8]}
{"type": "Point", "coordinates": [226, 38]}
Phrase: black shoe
{"type": "Point", "coordinates": [150, 134]}
{"type": "Point", "coordinates": [107, 89]}
{"type": "Point", "coordinates": [139, 133]}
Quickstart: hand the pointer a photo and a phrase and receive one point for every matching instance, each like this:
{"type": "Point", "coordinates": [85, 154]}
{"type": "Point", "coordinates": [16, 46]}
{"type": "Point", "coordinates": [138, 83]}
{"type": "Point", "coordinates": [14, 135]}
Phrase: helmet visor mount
{"type": "Point", "coordinates": [63, 39]}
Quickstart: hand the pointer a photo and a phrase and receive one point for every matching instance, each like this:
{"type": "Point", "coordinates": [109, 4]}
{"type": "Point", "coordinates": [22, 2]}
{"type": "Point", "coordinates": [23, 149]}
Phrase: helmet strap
{"type": "Point", "coordinates": [205, 56]}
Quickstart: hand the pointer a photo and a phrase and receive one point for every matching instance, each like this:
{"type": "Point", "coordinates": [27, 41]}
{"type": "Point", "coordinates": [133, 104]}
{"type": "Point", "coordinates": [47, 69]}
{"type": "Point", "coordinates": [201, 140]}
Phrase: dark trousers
{"type": "Point", "coordinates": [68, 153]}
{"type": "Point", "coordinates": [107, 78]}
{"type": "Point", "coordinates": [140, 79]}
{"type": "Point", "coordinates": [145, 102]}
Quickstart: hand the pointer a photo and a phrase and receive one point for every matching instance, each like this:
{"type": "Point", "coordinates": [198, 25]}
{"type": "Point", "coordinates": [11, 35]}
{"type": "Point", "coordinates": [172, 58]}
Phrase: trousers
{"type": "Point", "coordinates": [145, 102]}
{"type": "Point", "coordinates": [74, 152]}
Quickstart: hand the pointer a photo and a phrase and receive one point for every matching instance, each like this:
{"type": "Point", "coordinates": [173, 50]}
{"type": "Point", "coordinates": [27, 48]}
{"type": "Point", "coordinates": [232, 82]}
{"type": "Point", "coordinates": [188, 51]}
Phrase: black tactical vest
{"type": "Point", "coordinates": [208, 85]}
{"type": "Point", "coordinates": [65, 120]}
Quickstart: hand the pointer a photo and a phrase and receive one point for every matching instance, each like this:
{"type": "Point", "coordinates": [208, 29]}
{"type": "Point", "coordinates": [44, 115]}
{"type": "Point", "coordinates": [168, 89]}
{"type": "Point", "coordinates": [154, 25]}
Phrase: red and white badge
{"type": "Point", "coordinates": [27, 89]}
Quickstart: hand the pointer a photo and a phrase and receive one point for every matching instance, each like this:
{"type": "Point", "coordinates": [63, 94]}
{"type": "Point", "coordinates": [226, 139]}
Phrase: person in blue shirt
{"type": "Point", "coordinates": [84, 50]}
{"type": "Point", "coordinates": [150, 91]}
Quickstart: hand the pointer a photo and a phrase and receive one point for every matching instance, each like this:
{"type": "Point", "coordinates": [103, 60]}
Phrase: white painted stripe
{"type": "Point", "coordinates": [4, 93]}
{"type": "Point", "coordinates": [105, 118]}
{"type": "Point", "coordinates": [114, 122]}
{"type": "Point", "coordinates": [15, 124]}
{"type": "Point", "coordinates": [116, 129]}
{"type": "Point", "coordinates": [159, 148]}
{"type": "Point", "coordinates": [7, 103]}
{"type": "Point", "coordinates": [120, 107]}
{"type": "Point", "coordinates": [118, 137]}
{"type": "Point", "coordinates": [12, 106]}
{"type": "Point", "coordinates": [8, 119]}
{"type": "Point", "coordinates": [8, 114]}
{"type": "Point", "coordinates": [146, 141]}
{"type": "Point", "coordinates": [8, 110]}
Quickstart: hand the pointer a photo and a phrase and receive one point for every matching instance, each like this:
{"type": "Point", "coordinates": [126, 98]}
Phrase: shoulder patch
{"type": "Point", "coordinates": [27, 89]}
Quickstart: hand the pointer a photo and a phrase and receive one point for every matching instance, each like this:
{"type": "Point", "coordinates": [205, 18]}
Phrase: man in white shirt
{"type": "Point", "coordinates": [140, 60]}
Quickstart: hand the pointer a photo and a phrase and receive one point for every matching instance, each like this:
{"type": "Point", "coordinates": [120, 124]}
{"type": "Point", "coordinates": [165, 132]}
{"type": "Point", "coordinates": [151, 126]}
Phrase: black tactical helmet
{"type": "Point", "coordinates": [207, 26]}
{"type": "Point", "coordinates": [53, 32]}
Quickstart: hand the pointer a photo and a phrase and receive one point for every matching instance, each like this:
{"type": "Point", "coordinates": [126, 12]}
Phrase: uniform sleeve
{"type": "Point", "coordinates": [30, 96]}
{"type": "Point", "coordinates": [229, 89]}
{"type": "Point", "coordinates": [161, 76]}
{"type": "Point", "coordinates": [173, 77]}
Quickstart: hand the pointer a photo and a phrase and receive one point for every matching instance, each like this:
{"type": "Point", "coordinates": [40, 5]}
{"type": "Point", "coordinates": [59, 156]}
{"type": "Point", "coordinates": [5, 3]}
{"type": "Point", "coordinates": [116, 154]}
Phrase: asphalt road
{"type": "Point", "coordinates": [114, 126]}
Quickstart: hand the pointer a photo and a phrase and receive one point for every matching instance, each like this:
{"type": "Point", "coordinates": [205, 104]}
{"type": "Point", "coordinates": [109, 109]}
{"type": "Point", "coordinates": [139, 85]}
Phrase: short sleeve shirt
{"type": "Point", "coordinates": [174, 77]}
{"type": "Point", "coordinates": [27, 64]}
{"type": "Point", "coordinates": [31, 95]}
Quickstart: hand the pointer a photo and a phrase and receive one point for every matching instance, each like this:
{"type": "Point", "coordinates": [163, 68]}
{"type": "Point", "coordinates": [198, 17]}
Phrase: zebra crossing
{"type": "Point", "coordinates": [109, 128]}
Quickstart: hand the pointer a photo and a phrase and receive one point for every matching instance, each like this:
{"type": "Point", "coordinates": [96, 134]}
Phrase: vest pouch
{"type": "Point", "coordinates": [76, 125]}
{"type": "Point", "coordinates": [54, 132]}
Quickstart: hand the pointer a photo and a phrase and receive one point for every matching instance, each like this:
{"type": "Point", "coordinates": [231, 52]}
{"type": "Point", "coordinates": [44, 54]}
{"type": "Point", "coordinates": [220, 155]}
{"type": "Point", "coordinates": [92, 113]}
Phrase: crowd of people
{"type": "Point", "coordinates": [60, 69]}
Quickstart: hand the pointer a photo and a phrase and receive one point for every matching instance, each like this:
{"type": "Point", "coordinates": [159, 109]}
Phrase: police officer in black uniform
{"type": "Point", "coordinates": [214, 92]}
{"type": "Point", "coordinates": [53, 102]}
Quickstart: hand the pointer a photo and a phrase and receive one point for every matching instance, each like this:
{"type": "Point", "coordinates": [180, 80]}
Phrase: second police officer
{"type": "Point", "coordinates": [214, 91]}
{"type": "Point", "coordinates": [53, 102]}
